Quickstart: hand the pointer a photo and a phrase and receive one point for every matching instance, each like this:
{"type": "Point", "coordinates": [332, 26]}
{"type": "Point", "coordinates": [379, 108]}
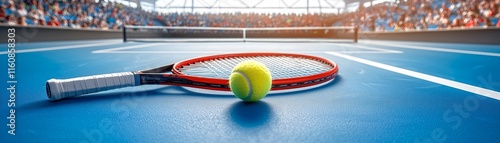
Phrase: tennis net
{"type": "Point", "coordinates": [224, 34]}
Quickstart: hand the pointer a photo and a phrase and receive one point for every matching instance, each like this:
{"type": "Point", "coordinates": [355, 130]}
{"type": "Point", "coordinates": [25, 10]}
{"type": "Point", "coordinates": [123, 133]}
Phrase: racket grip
{"type": "Point", "coordinates": [61, 88]}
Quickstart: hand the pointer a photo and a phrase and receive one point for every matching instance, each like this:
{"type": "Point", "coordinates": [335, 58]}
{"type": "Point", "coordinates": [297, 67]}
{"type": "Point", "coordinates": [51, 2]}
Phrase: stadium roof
{"type": "Point", "coordinates": [146, 1]}
{"type": "Point", "coordinates": [353, 1]}
{"type": "Point", "coordinates": [287, 6]}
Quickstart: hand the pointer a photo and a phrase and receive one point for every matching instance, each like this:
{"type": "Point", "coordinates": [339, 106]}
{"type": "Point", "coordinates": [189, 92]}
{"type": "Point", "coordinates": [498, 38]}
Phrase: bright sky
{"type": "Point", "coordinates": [166, 6]}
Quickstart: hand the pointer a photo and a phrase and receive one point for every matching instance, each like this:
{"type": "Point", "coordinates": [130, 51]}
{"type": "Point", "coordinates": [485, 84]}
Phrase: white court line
{"type": "Point", "coordinates": [438, 80]}
{"type": "Point", "coordinates": [240, 40]}
{"type": "Point", "coordinates": [124, 48]}
{"type": "Point", "coordinates": [193, 52]}
{"type": "Point", "coordinates": [61, 48]}
{"type": "Point", "coordinates": [436, 49]}
{"type": "Point", "coordinates": [120, 50]}
{"type": "Point", "coordinates": [370, 48]}
{"type": "Point", "coordinates": [366, 52]}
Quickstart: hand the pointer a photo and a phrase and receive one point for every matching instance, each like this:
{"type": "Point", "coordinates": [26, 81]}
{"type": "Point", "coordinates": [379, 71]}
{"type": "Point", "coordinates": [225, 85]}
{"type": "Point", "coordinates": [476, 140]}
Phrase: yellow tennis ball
{"type": "Point", "coordinates": [250, 81]}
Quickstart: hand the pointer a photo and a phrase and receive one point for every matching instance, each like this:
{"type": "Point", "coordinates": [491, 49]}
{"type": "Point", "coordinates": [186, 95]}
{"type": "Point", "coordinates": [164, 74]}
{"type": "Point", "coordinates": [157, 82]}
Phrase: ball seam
{"type": "Point", "coordinates": [249, 83]}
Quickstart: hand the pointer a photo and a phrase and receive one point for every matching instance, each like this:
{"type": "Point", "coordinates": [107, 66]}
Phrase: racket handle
{"type": "Point", "coordinates": [61, 88]}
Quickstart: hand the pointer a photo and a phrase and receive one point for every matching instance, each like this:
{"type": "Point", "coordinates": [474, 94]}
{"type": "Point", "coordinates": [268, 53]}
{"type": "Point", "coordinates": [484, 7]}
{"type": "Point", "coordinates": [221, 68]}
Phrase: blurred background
{"type": "Point", "coordinates": [378, 15]}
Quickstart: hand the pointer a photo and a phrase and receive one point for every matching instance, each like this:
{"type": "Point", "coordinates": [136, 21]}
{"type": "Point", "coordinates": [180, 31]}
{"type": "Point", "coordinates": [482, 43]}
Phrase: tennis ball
{"type": "Point", "coordinates": [250, 81]}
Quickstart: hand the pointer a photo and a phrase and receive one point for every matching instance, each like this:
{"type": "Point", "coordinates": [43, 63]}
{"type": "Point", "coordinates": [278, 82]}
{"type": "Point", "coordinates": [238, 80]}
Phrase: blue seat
{"type": "Point", "coordinates": [111, 20]}
{"type": "Point", "coordinates": [157, 23]}
{"type": "Point", "coordinates": [29, 21]}
{"type": "Point", "coordinates": [8, 11]}
{"type": "Point", "coordinates": [494, 20]}
{"type": "Point", "coordinates": [395, 17]}
{"type": "Point", "coordinates": [67, 17]}
{"type": "Point", "coordinates": [453, 16]}
{"type": "Point", "coordinates": [432, 26]}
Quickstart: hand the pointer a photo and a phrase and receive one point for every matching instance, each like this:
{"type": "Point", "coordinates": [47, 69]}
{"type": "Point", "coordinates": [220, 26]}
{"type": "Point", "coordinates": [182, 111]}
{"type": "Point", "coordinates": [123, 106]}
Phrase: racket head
{"type": "Point", "coordinates": [288, 70]}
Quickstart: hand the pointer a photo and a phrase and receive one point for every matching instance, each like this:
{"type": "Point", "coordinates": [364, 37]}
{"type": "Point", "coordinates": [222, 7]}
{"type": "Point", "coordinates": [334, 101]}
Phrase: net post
{"type": "Point", "coordinates": [356, 29]}
{"type": "Point", "coordinates": [124, 33]}
{"type": "Point", "coordinates": [244, 35]}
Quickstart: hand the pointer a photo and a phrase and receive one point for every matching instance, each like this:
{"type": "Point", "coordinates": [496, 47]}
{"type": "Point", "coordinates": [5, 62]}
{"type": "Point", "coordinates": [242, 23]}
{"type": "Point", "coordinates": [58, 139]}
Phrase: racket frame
{"type": "Point", "coordinates": [62, 88]}
{"type": "Point", "coordinates": [181, 79]}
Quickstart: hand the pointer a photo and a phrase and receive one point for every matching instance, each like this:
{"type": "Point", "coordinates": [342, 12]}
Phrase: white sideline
{"type": "Point", "coordinates": [61, 47]}
{"type": "Point", "coordinates": [435, 49]}
{"type": "Point", "coordinates": [438, 80]}
{"type": "Point", "coordinates": [121, 50]}
{"type": "Point", "coordinates": [370, 48]}
{"type": "Point", "coordinates": [125, 48]}
{"type": "Point", "coordinates": [202, 52]}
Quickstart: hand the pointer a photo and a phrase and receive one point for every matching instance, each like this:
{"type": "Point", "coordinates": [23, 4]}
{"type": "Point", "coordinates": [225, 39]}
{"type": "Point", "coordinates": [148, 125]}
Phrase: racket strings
{"type": "Point", "coordinates": [295, 67]}
{"type": "Point", "coordinates": [210, 68]}
{"type": "Point", "coordinates": [280, 66]}
{"type": "Point", "coordinates": [223, 67]}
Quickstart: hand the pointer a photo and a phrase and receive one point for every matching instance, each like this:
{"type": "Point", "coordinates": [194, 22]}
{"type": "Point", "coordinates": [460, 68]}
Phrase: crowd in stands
{"type": "Point", "coordinates": [249, 20]}
{"type": "Point", "coordinates": [428, 14]}
{"type": "Point", "coordinates": [72, 13]}
{"type": "Point", "coordinates": [400, 15]}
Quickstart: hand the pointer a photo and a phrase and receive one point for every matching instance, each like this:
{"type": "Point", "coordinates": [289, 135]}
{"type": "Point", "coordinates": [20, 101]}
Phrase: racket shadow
{"type": "Point", "coordinates": [331, 84]}
{"type": "Point", "coordinates": [111, 96]}
{"type": "Point", "coordinates": [163, 91]}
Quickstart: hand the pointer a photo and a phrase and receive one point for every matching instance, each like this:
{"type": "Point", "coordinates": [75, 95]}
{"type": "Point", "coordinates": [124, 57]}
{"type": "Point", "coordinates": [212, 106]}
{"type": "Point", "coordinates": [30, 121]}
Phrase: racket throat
{"type": "Point", "coordinates": [179, 80]}
{"type": "Point", "coordinates": [161, 79]}
{"type": "Point", "coordinates": [162, 69]}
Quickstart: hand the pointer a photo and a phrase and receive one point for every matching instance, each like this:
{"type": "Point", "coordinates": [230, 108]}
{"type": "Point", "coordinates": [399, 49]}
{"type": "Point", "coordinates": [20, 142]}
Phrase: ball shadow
{"type": "Point", "coordinates": [250, 115]}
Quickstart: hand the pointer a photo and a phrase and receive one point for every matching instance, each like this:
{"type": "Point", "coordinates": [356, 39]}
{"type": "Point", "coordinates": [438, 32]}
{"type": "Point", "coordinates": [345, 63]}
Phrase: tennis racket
{"type": "Point", "coordinates": [289, 71]}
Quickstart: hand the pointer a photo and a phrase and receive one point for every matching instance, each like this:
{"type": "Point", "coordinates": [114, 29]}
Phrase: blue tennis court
{"type": "Point", "coordinates": [385, 91]}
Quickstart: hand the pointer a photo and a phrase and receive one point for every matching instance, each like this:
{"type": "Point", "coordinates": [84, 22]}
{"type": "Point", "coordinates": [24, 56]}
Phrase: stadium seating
{"type": "Point", "coordinates": [386, 16]}
{"type": "Point", "coordinates": [452, 10]}
{"type": "Point", "coordinates": [64, 10]}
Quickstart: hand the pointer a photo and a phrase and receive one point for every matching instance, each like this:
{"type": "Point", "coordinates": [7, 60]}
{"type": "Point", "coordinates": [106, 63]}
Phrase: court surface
{"type": "Point", "coordinates": [386, 91]}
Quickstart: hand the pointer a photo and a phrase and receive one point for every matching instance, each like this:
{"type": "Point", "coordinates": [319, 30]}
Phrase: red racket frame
{"type": "Point", "coordinates": [317, 78]}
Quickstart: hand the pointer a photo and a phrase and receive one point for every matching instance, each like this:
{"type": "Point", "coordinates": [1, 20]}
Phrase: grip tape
{"type": "Point", "coordinates": [61, 88]}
